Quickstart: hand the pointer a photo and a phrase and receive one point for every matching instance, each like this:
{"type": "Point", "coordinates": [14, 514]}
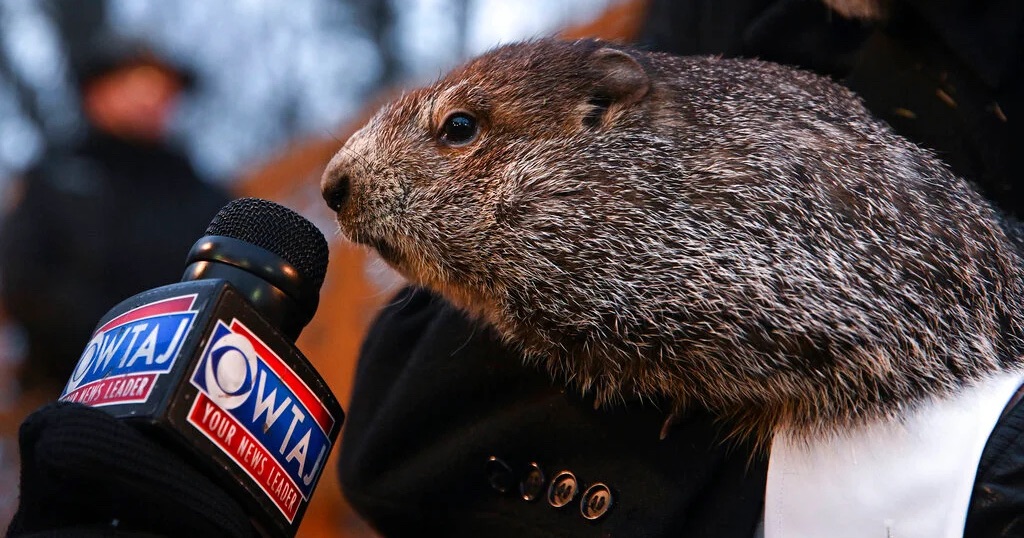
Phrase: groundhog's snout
{"type": "Point", "coordinates": [336, 183]}
{"type": "Point", "coordinates": [335, 188]}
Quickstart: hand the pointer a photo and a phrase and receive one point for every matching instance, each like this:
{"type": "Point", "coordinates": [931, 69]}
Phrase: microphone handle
{"type": "Point", "coordinates": [197, 366]}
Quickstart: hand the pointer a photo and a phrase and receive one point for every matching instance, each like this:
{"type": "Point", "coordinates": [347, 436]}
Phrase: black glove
{"type": "Point", "coordinates": [84, 473]}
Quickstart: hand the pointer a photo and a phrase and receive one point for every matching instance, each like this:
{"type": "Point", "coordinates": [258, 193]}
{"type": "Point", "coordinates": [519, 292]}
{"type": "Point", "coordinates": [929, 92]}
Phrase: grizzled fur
{"type": "Point", "coordinates": [730, 233]}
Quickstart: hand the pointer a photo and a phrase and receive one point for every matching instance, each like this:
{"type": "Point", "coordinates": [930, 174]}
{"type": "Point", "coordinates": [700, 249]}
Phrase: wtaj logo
{"type": "Point", "coordinates": [254, 407]}
{"type": "Point", "coordinates": [125, 356]}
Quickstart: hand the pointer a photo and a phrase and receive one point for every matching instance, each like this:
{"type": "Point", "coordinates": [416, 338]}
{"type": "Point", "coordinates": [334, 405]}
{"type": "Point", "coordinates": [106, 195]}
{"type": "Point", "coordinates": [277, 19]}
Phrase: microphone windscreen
{"type": "Point", "coordinates": [278, 229]}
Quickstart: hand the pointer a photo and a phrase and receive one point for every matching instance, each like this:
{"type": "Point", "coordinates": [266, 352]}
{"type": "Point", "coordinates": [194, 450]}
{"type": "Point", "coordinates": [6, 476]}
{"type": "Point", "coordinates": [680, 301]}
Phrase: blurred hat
{"type": "Point", "coordinates": [107, 51]}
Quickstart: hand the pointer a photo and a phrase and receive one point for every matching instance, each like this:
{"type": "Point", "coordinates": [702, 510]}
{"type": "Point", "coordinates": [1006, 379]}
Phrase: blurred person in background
{"type": "Point", "coordinates": [113, 215]}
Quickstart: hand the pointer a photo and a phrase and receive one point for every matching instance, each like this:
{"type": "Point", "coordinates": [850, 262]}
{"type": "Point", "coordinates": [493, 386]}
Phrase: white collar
{"type": "Point", "coordinates": [898, 479]}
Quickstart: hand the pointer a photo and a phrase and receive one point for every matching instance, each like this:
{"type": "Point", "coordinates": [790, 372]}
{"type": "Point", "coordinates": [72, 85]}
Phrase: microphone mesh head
{"type": "Point", "coordinates": [278, 229]}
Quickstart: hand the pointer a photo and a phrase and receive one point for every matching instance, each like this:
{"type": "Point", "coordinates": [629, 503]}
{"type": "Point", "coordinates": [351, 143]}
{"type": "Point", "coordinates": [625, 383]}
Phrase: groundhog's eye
{"type": "Point", "coordinates": [458, 129]}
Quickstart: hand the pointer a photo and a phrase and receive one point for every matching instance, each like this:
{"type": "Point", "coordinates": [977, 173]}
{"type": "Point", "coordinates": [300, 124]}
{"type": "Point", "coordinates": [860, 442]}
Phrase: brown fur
{"type": "Point", "coordinates": [860, 9]}
{"type": "Point", "coordinates": [729, 233]}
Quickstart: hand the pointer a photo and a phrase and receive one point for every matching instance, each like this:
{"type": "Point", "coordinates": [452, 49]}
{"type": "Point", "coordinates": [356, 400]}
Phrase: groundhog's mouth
{"type": "Point", "coordinates": [361, 235]}
{"type": "Point", "coordinates": [386, 251]}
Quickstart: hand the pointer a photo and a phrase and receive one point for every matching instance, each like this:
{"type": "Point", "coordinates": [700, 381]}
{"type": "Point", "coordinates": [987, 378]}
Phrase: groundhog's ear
{"type": "Point", "coordinates": [621, 81]}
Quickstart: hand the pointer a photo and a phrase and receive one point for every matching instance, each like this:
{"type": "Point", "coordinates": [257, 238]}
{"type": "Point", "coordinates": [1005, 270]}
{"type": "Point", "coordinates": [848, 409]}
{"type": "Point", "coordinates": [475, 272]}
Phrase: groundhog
{"type": "Point", "coordinates": [728, 233]}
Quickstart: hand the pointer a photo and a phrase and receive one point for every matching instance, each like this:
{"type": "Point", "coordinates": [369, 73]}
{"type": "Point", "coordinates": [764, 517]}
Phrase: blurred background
{"type": "Point", "coordinates": [268, 71]}
{"type": "Point", "coordinates": [125, 124]}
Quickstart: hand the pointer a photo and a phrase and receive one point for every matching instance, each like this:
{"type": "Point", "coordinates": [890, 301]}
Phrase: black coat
{"type": "Point", "coordinates": [94, 225]}
{"type": "Point", "coordinates": [437, 397]}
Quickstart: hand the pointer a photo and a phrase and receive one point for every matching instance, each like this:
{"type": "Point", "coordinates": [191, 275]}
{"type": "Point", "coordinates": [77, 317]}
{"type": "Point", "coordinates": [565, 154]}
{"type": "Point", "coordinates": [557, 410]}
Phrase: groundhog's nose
{"type": "Point", "coordinates": [335, 189]}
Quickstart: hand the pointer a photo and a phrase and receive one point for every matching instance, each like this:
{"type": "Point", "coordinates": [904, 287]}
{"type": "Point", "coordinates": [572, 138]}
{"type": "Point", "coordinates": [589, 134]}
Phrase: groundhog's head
{"type": "Point", "coordinates": [473, 185]}
{"type": "Point", "coordinates": [731, 232]}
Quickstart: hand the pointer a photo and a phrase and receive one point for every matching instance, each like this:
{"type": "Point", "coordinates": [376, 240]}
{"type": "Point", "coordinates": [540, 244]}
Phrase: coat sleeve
{"type": "Point", "coordinates": [448, 432]}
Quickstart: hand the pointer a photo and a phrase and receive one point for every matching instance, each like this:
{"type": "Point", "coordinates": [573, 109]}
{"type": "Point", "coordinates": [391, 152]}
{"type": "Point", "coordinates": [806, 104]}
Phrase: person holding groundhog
{"type": "Point", "coordinates": [450, 432]}
{"type": "Point", "coordinates": [484, 439]}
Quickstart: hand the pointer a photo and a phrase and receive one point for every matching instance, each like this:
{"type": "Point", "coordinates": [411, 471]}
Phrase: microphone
{"type": "Point", "coordinates": [210, 364]}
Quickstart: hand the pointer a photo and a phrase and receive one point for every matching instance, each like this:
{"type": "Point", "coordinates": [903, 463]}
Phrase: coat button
{"type": "Point", "coordinates": [563, 489]}
{"type": "Point", "coordinates": [499, 475]}
{"type": "Point", "coordinates": [596, 501]}
{"type": "Point", "coordinates": [532, 484]}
